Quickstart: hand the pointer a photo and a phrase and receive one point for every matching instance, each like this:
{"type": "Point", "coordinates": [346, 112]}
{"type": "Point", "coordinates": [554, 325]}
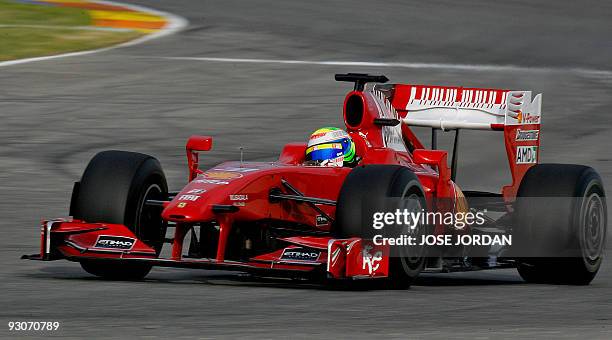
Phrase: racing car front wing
{"type": "Point", "coordinates": [76, 240]}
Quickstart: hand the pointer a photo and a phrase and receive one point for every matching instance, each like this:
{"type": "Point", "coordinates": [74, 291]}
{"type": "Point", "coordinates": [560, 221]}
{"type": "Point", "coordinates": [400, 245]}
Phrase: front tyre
{"type": "Point", "coordinates": [114, 189]}
{"type": "Point", "coordinates": [383, 188]}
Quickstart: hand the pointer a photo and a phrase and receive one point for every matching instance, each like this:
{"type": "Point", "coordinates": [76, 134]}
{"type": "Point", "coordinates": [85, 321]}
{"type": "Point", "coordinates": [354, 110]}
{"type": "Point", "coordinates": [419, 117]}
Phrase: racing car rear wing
{"type": "Point", "coordinates": [376, 114]}
{"type": "Point", "coordinates": [449, 108]}
{"type": "Point", "coordinates": [454, 108]}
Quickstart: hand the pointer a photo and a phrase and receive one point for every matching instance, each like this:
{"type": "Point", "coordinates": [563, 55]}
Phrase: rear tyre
{"type": "Point", "coordinates": [569, 223]}
{"type": "Point", "coordinates": [113, 189]}
{"type": "Point", "coordinates": [383, 188]}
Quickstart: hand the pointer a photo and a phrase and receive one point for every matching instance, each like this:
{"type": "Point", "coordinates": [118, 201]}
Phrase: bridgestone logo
{"type": "Point", "coordinates": [114, 242]}
{"type": "Point", "coordinates": [526, 154]}
{"type": "Point", "coordinates": [527, 135]}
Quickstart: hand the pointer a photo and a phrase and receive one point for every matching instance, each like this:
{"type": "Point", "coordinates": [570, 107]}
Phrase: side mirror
{"type": "Point", "coordinates": [199, 143]}
{"type": "Point", "coordinates": [194, 144]}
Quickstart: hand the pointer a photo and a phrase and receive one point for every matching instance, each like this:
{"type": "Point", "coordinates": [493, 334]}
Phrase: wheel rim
{"type": "Point", "coordinates": [592, 227]}
{"type": "Point", "coordinates": [148, 217]}
{"type": "Point", "coordinates": [412, 256]}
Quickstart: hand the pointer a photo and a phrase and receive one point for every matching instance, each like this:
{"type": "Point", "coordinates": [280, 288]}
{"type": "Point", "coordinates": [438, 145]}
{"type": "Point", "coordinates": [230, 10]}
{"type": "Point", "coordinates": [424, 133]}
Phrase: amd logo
{"type": "Point", "coordinates": [526, 154]}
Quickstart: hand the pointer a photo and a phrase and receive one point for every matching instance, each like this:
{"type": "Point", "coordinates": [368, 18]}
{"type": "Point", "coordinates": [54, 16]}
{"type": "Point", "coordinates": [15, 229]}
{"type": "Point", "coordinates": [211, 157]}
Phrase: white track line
{"type": "Point", "coordinates": [460, 67]}
{"type": "Point", "coordinates": [174, 24]}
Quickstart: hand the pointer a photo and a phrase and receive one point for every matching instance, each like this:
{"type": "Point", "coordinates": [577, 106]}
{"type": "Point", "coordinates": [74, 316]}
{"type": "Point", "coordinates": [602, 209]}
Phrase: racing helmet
{"type": "Point", "coordinates": [330, 146]}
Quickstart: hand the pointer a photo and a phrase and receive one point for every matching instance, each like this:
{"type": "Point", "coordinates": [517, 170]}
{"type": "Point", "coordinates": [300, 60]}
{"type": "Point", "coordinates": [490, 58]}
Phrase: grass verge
{"type": "Point", "coordinates": [28, 30]}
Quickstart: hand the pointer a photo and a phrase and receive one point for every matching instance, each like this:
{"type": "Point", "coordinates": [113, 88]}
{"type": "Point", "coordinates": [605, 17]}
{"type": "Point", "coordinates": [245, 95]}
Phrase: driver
{"type": "Point", "coordinates": [330, 146]}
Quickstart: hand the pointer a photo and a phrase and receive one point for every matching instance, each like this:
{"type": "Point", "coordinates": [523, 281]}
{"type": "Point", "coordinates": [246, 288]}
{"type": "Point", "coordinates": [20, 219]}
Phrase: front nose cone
{"type": "Point", "coordinates": [187, 212]}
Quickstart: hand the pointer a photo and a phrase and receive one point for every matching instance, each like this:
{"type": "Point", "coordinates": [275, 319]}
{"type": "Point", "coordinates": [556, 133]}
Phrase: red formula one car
{"type": "Point", "coordinates": [292, 219]}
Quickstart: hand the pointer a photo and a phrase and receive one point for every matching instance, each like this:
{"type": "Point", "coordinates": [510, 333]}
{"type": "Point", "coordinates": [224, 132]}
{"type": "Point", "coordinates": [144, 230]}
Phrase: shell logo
{"type": "Point", "coordinates": [221, 175]}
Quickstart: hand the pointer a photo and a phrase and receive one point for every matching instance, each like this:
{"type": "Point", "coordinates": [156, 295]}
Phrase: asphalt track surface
{"type": "Point", "coordinates": [56, 114]}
